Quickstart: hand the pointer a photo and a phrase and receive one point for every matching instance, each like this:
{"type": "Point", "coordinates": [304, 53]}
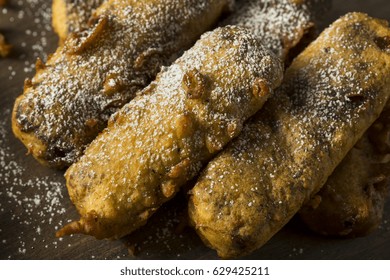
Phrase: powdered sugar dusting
{"type": "Point", "coordinates": [27, 200]}
{"type": "Point", "coordinates": [71, 97]}
{"type": "Point", "coordinates": [79, 12]}
{"type": "Point", "coordinates": [37, 33]}
{"type": "Point", "coordinates": [279, 23]}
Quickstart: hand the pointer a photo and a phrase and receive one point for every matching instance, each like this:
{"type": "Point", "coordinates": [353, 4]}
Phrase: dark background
{"type": "Point", "coordinates": [34, 202]}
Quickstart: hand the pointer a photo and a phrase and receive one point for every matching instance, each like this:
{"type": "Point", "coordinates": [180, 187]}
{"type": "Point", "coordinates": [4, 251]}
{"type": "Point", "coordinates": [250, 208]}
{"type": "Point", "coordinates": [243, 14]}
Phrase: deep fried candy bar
{"type": "Point", "coordinates": [331, 94]}
{"type": "Point", "coordinates": [98, 70]}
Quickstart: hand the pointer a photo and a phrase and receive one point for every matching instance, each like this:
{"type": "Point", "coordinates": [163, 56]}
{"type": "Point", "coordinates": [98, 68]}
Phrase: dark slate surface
{"type": "Point", "coordinates": [34, 202]}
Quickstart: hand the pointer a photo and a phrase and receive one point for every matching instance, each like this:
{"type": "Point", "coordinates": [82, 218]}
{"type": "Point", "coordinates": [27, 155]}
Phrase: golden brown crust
{"type": "Point", "coordinates": [352, 200]}
{"type": "Point", "coordinates": [100, 69]}
{"type": "Point", "coordinates": [5, 49]}
{"type": "Point", "coordinates": [161, 139]}
{"type": "Point", "coordinates": [281, 24]}
{"type": "Point", "coordinates": [72, 15]}
{"type": "Point", "coordinates": [3, 2]}
{"type": "Point", "coordinates": [331, 94]}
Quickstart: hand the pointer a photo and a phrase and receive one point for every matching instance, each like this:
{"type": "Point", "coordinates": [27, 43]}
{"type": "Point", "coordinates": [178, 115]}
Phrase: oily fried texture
{"type": "Point", "coordinates": [331, 94]}
{"type": "Point", "coordinates": [5, 49]}
{"type": "Point", "coordinates": [352, 200]}
{"type": "Point", "coordinates": [161, 139]}
{"type": "Point", "coordinates": [281, 24]}
{"type": "Point", "coordinates": [72, 15]}
{"type": "Point", "coordinates": [98, 70]}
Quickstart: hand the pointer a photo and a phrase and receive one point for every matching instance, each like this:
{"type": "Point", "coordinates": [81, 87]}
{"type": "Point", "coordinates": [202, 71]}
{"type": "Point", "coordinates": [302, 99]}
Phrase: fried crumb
{"type": "Point", "coordinates": [5, 49]}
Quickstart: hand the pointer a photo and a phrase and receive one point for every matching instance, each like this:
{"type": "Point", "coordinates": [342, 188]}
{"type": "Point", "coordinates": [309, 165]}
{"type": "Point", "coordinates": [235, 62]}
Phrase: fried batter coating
{"type": "Point", "coordinates": [72, 15]}
{"type": "Point", "coordinates": [351, 202]}
{"type": "Point", "coordinates": [161, 139]}
{"type": "Point", "coordinates": [5, 49]}
{"type": "Point", "coordinates": [98, 70]}
{"type": "Point", "coordinates": [331, 94]}
{"type": "Point", "coordinates": [281, 24]}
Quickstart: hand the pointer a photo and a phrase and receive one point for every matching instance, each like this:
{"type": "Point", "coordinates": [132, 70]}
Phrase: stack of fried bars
{"type": "Point", "coordinates": [137, 113]}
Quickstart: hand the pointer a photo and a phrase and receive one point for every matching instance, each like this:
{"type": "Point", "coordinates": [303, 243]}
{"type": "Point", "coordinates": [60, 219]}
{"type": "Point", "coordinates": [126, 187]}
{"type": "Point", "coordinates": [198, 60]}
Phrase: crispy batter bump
{"type": "Point", "coordinates": [72, 15]}
{"type": "Point", "coordinates": [162, 138]}
{"type": "Point", "coordinates": [351, 202]}
{"type": "Point", "coordinates": [287, 151]}
{"type": "Point", "coordinates": [281, 24]}
{"type": "Point", "coordinates": [99, 69]}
